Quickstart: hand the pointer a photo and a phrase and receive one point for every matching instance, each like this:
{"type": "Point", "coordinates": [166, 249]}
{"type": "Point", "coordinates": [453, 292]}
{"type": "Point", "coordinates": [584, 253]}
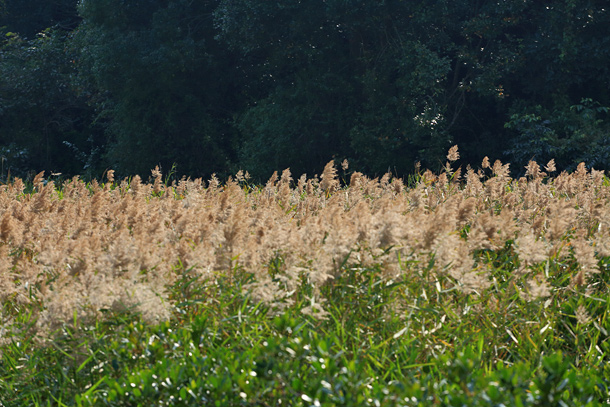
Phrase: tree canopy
{"type": "Point", "coordinates": [214, 86]}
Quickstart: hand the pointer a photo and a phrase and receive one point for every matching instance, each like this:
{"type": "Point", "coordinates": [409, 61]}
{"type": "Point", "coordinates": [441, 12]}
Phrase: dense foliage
{"type": "Point", "coordinates": [218, 85]}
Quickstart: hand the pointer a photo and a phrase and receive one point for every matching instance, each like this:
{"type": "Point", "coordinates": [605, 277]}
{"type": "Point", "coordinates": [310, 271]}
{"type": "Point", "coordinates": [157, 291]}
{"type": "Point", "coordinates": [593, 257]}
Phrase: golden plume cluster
{"type": "Point", "coordinates": [85, 248]}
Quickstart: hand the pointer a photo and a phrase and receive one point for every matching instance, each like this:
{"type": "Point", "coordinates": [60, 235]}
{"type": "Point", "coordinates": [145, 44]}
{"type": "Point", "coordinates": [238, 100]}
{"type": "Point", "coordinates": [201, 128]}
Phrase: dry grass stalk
{"type": "Point", "coordinates": [117, 246]}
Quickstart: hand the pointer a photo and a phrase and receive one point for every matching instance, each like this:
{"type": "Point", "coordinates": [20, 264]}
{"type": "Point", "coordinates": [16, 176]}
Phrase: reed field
{"type": "Point", "coordinates": [465, 287]}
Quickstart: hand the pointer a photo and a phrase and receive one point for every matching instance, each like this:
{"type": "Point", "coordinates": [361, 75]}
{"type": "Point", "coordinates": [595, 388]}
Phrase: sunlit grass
{"type": "Point", "coordinates": [383, 342]}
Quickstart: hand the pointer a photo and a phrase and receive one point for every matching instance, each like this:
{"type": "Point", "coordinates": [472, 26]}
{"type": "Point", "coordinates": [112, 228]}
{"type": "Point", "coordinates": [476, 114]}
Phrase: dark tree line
{"type": "Point", "coordinates": [219, 85]}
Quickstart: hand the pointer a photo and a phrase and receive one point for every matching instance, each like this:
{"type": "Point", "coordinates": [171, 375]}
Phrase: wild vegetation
{"type": "Point", "coordinates": [480, 284]}
{"type": "Point", "coordinates": [467, 286]}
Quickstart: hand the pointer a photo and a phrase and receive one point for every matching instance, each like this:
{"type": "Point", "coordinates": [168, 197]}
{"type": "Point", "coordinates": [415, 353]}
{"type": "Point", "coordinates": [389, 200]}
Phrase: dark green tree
{"type": "Point", "coordinates": [163, 88]}
{"type": "Point", "coordinates": [215, 85]}
{"type": "Point", "coordinates": [45, 123]}
{"type": "Point", "coordinates": [561, 90]}
{"type": "Point", "coordinates": [30, 17]}
{"type": "Point", "coordinates": [332, 80]}
{"type": "Point", "coordinates": [392, 82]}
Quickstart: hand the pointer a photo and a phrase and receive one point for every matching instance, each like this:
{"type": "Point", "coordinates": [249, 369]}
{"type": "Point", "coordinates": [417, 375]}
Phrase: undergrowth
{"type": "Point", "coordinates": [405, 342]}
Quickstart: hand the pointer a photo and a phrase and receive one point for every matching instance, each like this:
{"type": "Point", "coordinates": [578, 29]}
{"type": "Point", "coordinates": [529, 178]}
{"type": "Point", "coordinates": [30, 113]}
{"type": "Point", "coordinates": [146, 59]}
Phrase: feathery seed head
{"type": "Point", "coordinates": [453, 154]}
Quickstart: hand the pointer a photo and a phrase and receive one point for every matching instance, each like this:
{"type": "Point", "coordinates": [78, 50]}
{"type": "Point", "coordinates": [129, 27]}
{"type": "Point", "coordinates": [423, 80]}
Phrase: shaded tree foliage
{"type": "Point", "coordinates": [344, 79]}
{"type": "Point", "coordinates": [413, 77]}
{"type": "Point", "coordinates": [214, 86]}
{"type": "Point", "coordinates": [562, 84]}
{"type": "Point", "coordinates": [163, 86]}
{"type": "Point", "coordinates": [44, 121]}
{"type": "Point", "coordinates": [30, 17]}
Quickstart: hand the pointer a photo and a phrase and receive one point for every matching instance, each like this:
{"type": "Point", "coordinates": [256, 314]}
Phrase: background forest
{"type": "Point", "coordinates": [213, 86]}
